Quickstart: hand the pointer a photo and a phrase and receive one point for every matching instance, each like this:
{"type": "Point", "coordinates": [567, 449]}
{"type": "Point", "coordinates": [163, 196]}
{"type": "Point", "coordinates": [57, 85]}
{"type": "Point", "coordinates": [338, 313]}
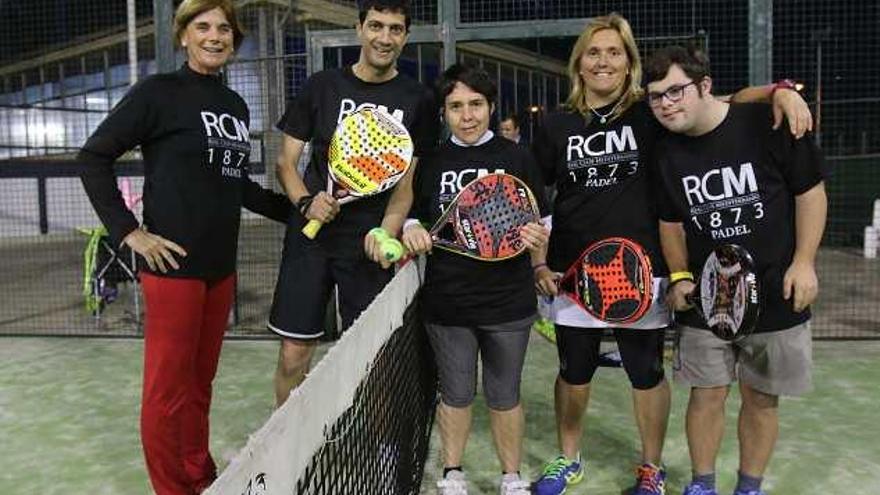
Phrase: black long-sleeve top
{"type": "Point", "coordinates": [193, 133]}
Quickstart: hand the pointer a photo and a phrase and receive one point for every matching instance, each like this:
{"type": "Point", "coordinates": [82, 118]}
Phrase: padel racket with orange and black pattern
{"type": "Point", "coordinates": [485, 218]}
{"type": "Point", "coordinates": [611, 280]}
{"type": "Point", "coordinates": [726, 292]}
{"type": "Point", "coordinates": [370, 151]}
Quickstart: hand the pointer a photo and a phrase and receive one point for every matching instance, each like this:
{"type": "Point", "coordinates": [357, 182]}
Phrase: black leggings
{"type": "Point", "coordinates": [640, 350]}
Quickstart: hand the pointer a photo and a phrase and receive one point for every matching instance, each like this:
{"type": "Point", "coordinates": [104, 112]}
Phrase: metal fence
{"type": "Point", "coordinates": [64, 64]}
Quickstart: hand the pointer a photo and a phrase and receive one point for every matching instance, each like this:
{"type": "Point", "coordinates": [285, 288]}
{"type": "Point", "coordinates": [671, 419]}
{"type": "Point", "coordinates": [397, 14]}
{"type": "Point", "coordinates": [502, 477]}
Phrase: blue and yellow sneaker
{"type": "Point", "coordinates": [650, 480]}
{"type": "Point", "coordinates": [750, 492]}
{"type": "Point", "coordinates": [698, 489]}
{"type": "Point", "coordinates": [558, 474]}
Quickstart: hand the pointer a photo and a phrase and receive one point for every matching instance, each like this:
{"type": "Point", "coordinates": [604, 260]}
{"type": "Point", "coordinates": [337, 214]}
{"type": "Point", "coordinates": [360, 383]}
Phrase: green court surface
{"type": "Point", "coordinates": [69, 409]}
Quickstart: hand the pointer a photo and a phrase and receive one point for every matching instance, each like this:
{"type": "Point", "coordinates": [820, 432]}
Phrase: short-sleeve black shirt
{"type": "Point", "coordinates": [326, 98]}
{"type": "Point", "coordinates": [602, 174]}
{"type": "Point", "coordinates": [459, 290]}
{"type": "Point", "coordinates": [736, 185]}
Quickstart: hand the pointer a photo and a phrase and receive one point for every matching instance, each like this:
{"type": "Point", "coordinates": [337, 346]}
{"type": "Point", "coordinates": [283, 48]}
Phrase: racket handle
{"type": "Point", "coordinates": [311, 229]}
{"type": "Point", "coordinates": [694, 300]}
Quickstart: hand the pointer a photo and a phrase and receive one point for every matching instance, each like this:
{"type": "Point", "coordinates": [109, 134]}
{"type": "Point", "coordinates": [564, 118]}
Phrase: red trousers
{"type": "Point", "coordinates": [183, 334]}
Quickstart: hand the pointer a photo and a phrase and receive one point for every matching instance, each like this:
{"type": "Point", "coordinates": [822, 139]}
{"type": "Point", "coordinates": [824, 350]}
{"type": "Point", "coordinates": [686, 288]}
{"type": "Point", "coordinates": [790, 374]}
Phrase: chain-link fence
{"type": "Point", "coordinates": [64, 64]}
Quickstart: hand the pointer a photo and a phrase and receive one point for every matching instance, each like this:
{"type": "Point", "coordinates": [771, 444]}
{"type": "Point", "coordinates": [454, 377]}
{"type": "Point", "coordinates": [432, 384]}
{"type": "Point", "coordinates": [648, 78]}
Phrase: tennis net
{"type": "Point", "coordinates": [361, 422]}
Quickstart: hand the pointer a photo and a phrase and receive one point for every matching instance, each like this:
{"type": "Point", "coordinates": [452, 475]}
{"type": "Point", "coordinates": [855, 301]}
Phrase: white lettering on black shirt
{"type": "Point", "coordinates": [347, 106]}
{"type": "Point", "coordinates": [602, 158]}
{"type": "Point", "coordinates": [724, 201]}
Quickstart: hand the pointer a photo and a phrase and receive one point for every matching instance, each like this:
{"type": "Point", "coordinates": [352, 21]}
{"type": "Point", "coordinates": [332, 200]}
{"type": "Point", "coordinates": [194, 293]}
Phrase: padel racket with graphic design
{"type": "Point", "coordinates": [726, 292]}
{"type": "Point", "coordinates": [485, 218]}
{"type": "Point", "coordinates": [370, 151]}
{"type": "Point", "coordinates": [612, 280]}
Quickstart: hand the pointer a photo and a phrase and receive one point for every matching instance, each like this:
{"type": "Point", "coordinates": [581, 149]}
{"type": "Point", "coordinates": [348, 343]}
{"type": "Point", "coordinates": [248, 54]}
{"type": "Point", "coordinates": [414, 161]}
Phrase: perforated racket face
{"type": "Point", "coordinates": [369, 152]}
{"type": "Point", "coordinates": [614, 280]}
{"type": "Point", "coordinates": [487, 215]}
{"type": "Point", "coordinates": [729, 292]}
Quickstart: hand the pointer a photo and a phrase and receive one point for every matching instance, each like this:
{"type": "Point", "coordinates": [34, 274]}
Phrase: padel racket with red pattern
{"type": "Point", "coordinates": [485, 218]}
{"type": "Point", "coordinates": [370, 151]}
{"type": "Point", "coordinates": [726, 294]}
{"type": "Point", "coordinates": [611, 280]}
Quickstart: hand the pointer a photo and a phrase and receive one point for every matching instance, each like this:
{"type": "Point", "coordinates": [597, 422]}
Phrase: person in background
{"type": "Point", "coordinates": [509, 128]}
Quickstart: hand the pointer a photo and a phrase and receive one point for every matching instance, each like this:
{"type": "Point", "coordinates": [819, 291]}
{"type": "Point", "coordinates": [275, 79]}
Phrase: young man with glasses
{"type": "Point", "coordinates": [727, 177]}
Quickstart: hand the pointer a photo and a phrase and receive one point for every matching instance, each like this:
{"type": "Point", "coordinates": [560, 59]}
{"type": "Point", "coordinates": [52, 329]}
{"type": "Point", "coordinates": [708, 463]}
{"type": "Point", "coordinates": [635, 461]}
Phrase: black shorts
{"type": "Point", "coordinates": [640, 350]}
{"type": "Point", "coordinates": [305, 281]}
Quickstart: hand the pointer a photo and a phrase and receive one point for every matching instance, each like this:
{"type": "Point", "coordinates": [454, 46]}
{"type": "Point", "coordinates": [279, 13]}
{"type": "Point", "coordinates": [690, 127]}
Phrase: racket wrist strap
{"type": "Point", "coordinates": [538, 266]}
{"type": "Point", "coordinates": [676, 277]}
{"type": "Point", "coordinates": [783, 84]}
{"type": "Point", "coordinates": [302, 204]}
{"type": "Point", "coordinates": [410, 222]}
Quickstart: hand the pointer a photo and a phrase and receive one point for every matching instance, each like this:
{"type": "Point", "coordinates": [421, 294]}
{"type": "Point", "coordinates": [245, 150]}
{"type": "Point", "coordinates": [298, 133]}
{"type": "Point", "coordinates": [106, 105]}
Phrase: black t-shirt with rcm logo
{"type": "Point", "coordinates": [736, 185]}
{"type": "Point", "coordinates": [459, 290]}
{"type": "Point", "coordinates": [602, 173]}
{"type": "Point", "coordinates": [325, 99]}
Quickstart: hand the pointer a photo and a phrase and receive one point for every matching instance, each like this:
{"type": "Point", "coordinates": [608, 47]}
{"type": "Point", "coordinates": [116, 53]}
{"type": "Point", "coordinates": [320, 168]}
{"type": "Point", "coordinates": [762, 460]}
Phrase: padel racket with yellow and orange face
{"type": "Point", "coordinates": [370, 151]}
{"type": "Point", "coordinates": [726, 293]}
{"type": "Point", "coordinates": [611, 280]}
{"type": "Point", "coordinates": [485, 218]}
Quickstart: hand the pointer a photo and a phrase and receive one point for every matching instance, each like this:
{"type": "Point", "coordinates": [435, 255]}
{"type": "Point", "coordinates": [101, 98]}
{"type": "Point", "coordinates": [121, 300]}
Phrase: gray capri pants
{"type": "Point", "coordinates": [502, 349]}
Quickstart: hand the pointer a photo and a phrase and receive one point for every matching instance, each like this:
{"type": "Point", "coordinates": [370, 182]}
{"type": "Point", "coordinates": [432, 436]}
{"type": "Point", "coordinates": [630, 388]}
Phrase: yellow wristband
{"type": "Point", "coordinates": [678, 276]}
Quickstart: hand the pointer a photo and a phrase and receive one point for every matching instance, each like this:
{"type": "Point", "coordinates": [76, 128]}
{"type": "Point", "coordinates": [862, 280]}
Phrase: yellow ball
{"type": "Point", "coordinates": [380, 234]}
{"type": "Point", "coordinates": [392, 249]}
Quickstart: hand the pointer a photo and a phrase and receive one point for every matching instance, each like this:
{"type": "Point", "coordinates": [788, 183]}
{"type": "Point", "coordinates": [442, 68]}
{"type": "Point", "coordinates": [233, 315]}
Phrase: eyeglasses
{"type": "Point", "coordinates": [673, 94]}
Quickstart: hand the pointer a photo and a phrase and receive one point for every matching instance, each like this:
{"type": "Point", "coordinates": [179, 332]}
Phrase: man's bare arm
{"type": "Point", "coordinates": [400, 203]}
{"type": "Point", "coordinates": [286, 171]}
{"type": "Point", "coordinates": [674, 246]}
{"type": "Point", "coordinates": [811, 209]}
{"type": "Point", "coordinates": [323, 206]}
{"type": "Point", "coordinates": [786, 102]}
